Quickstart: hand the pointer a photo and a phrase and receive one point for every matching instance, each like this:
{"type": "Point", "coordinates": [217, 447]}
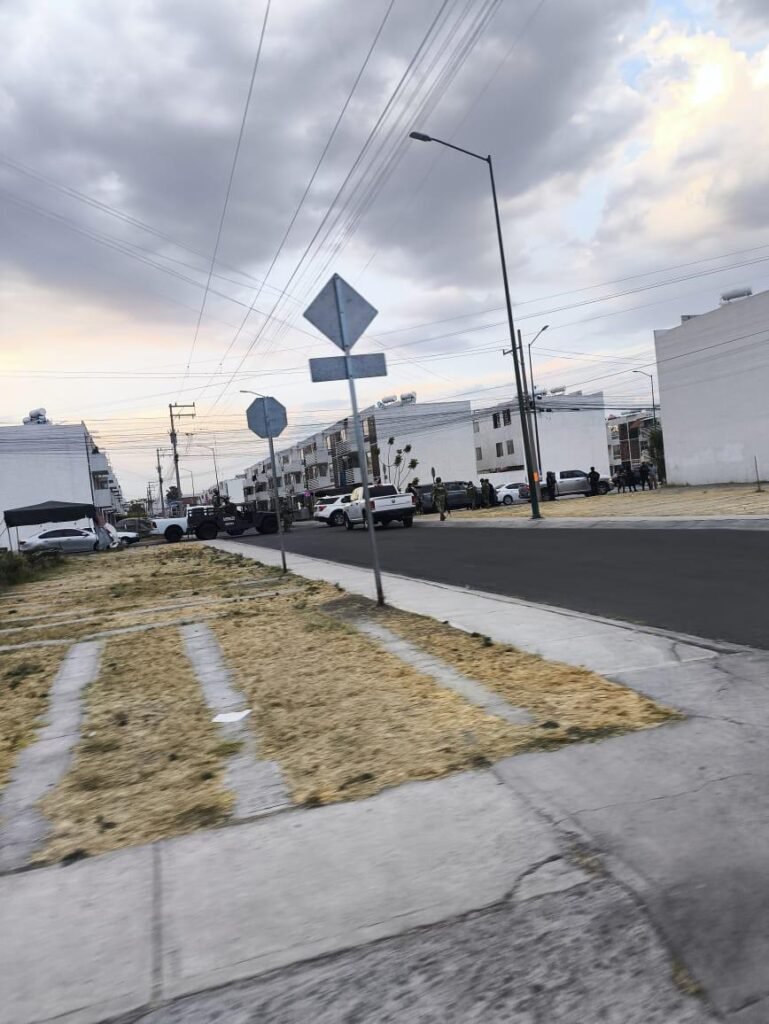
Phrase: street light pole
{"type": "Point", "coordinates": [531, 472]}
{"type": "Point", "coordinates": [654, 403]}
{"type": "Point", "coordinates": [534, 398]}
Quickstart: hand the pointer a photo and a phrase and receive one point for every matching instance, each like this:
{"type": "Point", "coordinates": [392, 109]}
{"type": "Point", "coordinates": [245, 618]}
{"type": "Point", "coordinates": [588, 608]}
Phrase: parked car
{"type": "Point", "coordinates": [387, 506]}
{"type": "Point", "coordinates": [121, 538]}
{"type": "Point", "coordinates": [513, 494]}
{"type": "Point", "coordinates": [575, 481]}
{"type": "Point", "coordinates": [331, 510]}
{"type": "Point", "coordinates": [134, 524]}
{"type": "Point", "coordinates": [65, 538]}
{"type": "Point", "coordinates": [456, 496]}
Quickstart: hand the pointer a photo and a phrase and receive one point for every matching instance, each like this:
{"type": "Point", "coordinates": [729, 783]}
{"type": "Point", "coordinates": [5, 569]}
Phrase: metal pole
{"type": "Point", "coordinates": [530, 471]}
{"type": "Point", "coordinates": [160, 485]}
{"type": "Point", "coordinates": [176, 453]}
{"type": "Point", "coordinates": [529, 402]}
{"type": "Point", "coordinates": [534, 408]}
{"type": "Point", "coordinates": [654, 404]}
{"type": "Point", "coordinates": [369, 519]}
{"type": "Point", "coordinates": [216, 472]}
{"type": "Point", "coordinates": [276, 499]}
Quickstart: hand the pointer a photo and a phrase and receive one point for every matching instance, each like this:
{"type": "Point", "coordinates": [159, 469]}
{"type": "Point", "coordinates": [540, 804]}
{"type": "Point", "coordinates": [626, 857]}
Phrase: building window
{"type": "Point", "coordinates": [495, 420]}
{"type": "Point", "coordinates": [500, 449]}
{"type": "Point", "coordinates": [510, 447]}
{"type": "Point", "coordinates": [506, 419]}
{"type": "Point", "coordinates": [478, 454]}
{"type": "Point", "coordinates": [476, 427]}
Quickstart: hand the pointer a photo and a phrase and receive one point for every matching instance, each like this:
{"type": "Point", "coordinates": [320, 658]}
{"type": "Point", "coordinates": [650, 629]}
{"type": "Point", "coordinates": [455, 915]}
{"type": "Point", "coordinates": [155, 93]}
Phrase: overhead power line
{"type": "Point", "coordinates": [230, 180]}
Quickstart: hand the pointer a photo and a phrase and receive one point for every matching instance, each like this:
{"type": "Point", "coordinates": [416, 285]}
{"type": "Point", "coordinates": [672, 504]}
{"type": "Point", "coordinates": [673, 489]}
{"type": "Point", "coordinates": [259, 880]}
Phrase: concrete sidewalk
{"type": "Point", "coordinates": [503, 873]}
{"type": "Point", "coordinates": [682, 812]}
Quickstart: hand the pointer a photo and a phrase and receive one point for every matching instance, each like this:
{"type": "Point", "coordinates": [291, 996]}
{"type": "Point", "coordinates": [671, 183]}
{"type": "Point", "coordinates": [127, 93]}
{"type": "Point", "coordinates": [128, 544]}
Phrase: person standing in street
{"type": "Point", "coordinates": [550, 484]}
{"type": "Point", "coordinates": [484, 492]}
{"type": "Point", "coordinates": [652, 477]}
{"type": "Point", "coordinates": [643, 473]}
{"type": "Point", "coordinates": [630, 479]}
{"type": "Point", "coordinates": [472, 497]}
{"type": "Point", "coordinates": [594, 477]}
{"type": "Point", "coordinates": [440, 498]}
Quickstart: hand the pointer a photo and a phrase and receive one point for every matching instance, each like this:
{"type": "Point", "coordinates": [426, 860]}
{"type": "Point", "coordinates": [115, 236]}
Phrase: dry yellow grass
{"type": "Point", "coordinates": [683, 502]}
{"type": "Point", "coordinates": [345, 719]}
{"type": "Point", "coordinates": [150, 760]}
{"type": "Point", "coordinates": [568, 703]}
{"type": "Point", "coordinates": [25, 682]}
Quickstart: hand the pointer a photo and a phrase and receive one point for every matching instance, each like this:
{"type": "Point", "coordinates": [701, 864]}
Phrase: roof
{"type": "Point", "coordinates": [48, 512]}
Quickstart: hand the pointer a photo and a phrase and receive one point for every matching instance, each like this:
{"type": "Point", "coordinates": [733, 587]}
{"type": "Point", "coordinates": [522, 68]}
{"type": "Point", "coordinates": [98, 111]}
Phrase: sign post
{"type": "Point", "coordinates": [267, 418]}
{"type": "Point", "coordinates": [343, 315]}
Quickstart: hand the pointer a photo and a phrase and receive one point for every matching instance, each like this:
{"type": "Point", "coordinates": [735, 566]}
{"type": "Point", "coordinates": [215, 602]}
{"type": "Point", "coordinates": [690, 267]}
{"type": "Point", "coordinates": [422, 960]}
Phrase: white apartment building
{"type": "Point", "coordinates": [44, 461]}
{"type": "Point", "coordinates": [438, 434]}
{"type": "Point", "coordinates": [569, 432]}
{"type": "Point", "coordinates": [713, 372]}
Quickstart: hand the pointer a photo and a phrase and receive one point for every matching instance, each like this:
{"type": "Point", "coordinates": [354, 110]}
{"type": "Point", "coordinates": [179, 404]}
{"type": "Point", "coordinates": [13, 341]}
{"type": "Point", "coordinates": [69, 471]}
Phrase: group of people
{"type": "Point", "coordinates": [624, 478]}
{"type": "Point", "coordinates": [482, 495]}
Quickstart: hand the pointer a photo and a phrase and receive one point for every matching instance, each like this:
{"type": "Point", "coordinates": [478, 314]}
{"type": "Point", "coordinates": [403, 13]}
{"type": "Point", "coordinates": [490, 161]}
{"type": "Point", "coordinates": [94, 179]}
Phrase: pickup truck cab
{"type": "Point", "coordinates": [575, 481]}
{"type": "Point", "coordinates": [387, 506]}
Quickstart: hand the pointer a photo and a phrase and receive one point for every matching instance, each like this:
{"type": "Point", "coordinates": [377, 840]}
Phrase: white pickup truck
{"type": "Point", "coordinates": [387, 506]}
{"type": "Point", "coordinates": [173, 528]}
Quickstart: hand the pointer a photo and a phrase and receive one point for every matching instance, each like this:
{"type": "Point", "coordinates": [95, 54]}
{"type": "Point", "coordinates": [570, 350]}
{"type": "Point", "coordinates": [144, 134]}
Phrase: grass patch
{"type": "Point", "coordinates": [568, 704]}
{"type": "Point", "coordinates": [25, 683]}
{"type": "Point", "coordinates": [16, 569]}
{"type": "Point", "coordinates": [343, 718]}
{"type": "Point", "coordinates": [150, 761]}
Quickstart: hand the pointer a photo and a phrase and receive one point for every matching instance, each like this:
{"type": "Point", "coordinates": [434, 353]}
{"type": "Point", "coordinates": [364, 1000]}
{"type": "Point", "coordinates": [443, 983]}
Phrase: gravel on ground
{"type": "Point", "coordinates": [25, 682]}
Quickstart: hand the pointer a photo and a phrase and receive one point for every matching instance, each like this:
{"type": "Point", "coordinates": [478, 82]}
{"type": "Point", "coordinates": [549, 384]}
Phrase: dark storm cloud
{"type": "Point", "coordinates": [139, 106]}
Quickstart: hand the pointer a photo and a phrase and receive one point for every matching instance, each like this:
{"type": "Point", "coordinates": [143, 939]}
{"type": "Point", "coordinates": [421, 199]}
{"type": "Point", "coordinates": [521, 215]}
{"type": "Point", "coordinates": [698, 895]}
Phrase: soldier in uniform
{"type": "Point", "coordinates": [440, 497]}
{"type": "Point", "coordinates": [472, 496]}
{"type": "Point", "coordinates": [484, 492]}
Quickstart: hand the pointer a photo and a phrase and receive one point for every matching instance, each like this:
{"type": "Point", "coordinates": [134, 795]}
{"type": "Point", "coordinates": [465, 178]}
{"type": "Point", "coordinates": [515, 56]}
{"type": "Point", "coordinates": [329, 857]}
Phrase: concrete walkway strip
{"type": "Point", "coordinates": [258, 785]}
{"type": "Point", "coordinates": [444, 675]}
{"type": "Point", "coordinates": [42, 764]}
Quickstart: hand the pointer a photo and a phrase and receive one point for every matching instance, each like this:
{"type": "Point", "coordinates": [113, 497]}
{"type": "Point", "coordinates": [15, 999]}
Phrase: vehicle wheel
{"type": "Point", "coordinates": [124, 542]}
{"type": "Point", "coordinates": [336, 519]}
{"type": "Point", "coordinates": [408, 521]}
{"type": "Point", "coordinates": [174, 534]}
{"type": "Point", "coordinates": [603, 488]}
{"type": "Point", "coordinates": [206, 530]}
{"type": "Point", "coordinates": [384, 524]}
{"type": "Point", "coordinates": [347, 524]}
{"type": "Point", "coordinates": [507, 500]}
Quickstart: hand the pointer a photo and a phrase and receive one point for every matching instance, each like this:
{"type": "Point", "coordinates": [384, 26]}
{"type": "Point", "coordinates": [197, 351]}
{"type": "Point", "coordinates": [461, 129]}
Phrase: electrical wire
{"type": "Point", "coordinates": [230, 180]}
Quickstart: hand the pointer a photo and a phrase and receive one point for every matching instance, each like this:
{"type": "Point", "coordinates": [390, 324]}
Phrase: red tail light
{"type": "Point", "coordinates": [413, 500]}
{"type": "Point", "coordinates": [372, 505]}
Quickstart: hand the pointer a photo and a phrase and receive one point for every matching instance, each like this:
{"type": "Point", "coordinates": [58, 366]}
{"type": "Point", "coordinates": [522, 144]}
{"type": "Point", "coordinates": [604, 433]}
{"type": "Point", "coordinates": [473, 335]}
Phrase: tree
{"type": "Point", "coordinates": [655, 446]}
{"type": "Point", "coordinates": [137, 509]}
{"type": "Point", "coordinates": [172, 494]}
{"type": "Point", "coordinates": [397, 466]}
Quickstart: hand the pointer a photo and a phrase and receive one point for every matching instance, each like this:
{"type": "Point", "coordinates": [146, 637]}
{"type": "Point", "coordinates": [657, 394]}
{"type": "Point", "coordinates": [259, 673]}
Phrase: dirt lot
{"type": "Point", "coordinates": [681, 502]}
{"type": "Point", "coordinates": [342, 717]}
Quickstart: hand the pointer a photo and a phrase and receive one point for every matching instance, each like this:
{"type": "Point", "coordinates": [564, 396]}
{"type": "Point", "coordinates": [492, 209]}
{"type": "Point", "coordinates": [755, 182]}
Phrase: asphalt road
{"type": "Point", "coordinates": [709, 583]}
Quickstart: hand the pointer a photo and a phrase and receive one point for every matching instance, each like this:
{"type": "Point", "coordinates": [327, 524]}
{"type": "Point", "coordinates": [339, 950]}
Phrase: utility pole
{"type": "Point", "coordinates": [160, 485]}
{"type": "Point", "coordinates": [149, 500]}
{"type": "Point", "coordinates": [173, 410]}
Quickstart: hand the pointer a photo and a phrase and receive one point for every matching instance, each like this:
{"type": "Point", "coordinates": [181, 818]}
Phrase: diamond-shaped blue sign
{"type": "Point", "coordinates": [266, 417]}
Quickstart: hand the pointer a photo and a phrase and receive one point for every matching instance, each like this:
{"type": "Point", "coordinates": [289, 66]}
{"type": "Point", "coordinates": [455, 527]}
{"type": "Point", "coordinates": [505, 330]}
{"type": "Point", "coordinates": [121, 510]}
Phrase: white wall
{"type": "Point", "coordinates": [574, 440]}
{"type": "Point", "coordinates": [41, 462]}
{"type": "Point", "coordinates": [714, 381]}
{"type": "Point", "coordinates": [440, 434]}
{"type": "Point", "coordinates": [571, 436]}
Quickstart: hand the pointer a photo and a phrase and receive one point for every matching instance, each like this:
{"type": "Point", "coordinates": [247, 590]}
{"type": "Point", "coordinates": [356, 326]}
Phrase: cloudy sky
{"type": "Point", "coordinates": [631, 158]}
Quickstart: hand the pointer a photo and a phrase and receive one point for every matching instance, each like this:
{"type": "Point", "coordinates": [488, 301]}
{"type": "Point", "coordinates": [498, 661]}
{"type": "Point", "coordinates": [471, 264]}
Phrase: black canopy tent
{"type": "Point", "coordinates": [48, 512]}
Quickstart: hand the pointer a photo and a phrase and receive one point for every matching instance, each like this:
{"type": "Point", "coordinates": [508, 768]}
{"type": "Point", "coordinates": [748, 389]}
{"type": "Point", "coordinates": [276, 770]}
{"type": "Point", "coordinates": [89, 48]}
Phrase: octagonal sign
{"type": "Point", "coordinates": [266, 417]}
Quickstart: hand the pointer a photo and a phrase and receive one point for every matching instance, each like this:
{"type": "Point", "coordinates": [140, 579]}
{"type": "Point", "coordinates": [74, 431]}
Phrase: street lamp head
{"type": "Point", "coordinates": [544, 328]}
{"type": "Point", "coordinates": [420, 137]}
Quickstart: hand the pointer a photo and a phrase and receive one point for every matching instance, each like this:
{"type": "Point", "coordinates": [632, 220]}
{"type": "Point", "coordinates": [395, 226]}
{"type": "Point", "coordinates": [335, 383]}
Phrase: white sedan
{"type": "Point", "coordinates": [331, 510]}
{"type": "Point", "coordinates": [64, 538]}
{"type": "Point", "coordinates": [513, 494]}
